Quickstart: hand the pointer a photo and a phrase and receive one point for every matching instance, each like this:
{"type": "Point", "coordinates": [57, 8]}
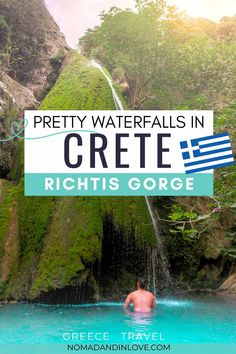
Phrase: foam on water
{"type": "Point", "coordinates": [175, 303]}
{"type": "Point", "coordinates": [163, 302]}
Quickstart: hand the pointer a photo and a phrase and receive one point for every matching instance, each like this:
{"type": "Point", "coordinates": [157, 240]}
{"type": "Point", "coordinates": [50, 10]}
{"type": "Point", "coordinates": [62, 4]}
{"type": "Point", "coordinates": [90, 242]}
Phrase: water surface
{"type": "Point", "coordinates": [203, 319]}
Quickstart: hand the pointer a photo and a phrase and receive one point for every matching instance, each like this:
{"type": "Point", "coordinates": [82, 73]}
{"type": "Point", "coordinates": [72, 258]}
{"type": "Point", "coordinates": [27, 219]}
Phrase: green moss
{"type": "Point", "coordinates": [34, 217]}
{"type": "Point", "coordinates": [17, 168]}
{"type": "Point", "coordinates": [80, 86]}
{"type": "Point", "coordinates": [74, 241]}
{"type": "Point", "coordinates": [7, 196]}
{"type": "Point", "coordinates": [130, 214]}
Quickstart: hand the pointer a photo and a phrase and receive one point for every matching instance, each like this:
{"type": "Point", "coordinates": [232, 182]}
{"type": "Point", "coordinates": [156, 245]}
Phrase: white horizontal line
{"type": "Point", "coordinates": [213, 148]}
{"type": "Point", "coordinates": [211, 141]}
{"type": "Point", "coordinates": [211, 156]}
{"type": "Point", "coordinates": [206, 164]}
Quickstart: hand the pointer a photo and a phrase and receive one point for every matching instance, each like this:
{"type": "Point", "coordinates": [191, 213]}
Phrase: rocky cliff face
{"type": "Point", "coordinates": [32, 50]}
{"type": "Point", "coordinates": [34, 46]}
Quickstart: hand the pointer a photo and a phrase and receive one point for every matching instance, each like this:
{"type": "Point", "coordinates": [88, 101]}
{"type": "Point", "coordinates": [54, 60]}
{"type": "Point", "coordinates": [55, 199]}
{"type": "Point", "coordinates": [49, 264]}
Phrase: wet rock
{"type": "Point", "coordinates": [229, 286]}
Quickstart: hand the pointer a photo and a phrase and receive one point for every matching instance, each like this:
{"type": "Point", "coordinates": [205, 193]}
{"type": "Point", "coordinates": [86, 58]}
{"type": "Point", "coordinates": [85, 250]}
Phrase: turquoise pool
{"type": "Point", "coordinates": [203, 319]}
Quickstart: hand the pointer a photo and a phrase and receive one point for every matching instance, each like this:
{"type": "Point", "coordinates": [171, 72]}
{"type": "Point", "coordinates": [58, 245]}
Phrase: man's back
{"type": "Point", "coordinates": [143, 301]}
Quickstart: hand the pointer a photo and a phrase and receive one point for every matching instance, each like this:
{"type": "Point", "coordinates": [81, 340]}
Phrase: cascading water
{"type": "Point", "coordinates": [153, 260]}
{"type": "Point", "coordinates": [118, 103]}
{"type": "Point", "coordinates": [163, 262]}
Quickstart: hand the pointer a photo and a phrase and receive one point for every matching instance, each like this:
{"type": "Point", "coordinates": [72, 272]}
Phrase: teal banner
{"type": "Point", "coordinates": [65, 348]}
{"type": "Point", "coordinates": [43, 184]}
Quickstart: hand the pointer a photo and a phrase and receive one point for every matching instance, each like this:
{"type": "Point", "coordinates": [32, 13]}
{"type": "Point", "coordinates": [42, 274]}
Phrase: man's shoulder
{"type": "Point", "coordinates": [150, 293]}
{"type": "Point", "coordinates": [133, 293]}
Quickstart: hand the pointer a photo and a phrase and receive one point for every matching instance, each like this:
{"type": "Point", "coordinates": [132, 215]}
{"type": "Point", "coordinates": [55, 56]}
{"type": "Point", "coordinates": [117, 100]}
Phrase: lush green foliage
{"type": "Point", "coordinates": [164, 59]}
{"type": "Point", "coordinates": [225, 180]}
{"type": "Point", "coordinates": [192, 224]}
{"type": "Point", "coordinates": [225, 190]}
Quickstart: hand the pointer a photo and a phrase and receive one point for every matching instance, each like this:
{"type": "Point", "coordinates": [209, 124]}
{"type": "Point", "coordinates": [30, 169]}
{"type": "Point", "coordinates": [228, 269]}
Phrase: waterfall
{"type": "Point", "coordinates": [153, 256]}
{"type": "Point", "coordinates": [163, 262]}
{"type": "Point", "coordinates": [118, 103]}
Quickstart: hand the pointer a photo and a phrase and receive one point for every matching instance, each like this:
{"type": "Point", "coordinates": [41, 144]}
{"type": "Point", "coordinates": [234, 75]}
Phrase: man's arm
{"type": "Point", "coordinates": [128, 301]}
{"type": "Point", "coordinates": [154, 304]}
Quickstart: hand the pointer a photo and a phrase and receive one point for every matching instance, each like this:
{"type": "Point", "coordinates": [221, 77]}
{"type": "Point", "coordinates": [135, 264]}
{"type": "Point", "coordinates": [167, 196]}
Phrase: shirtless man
{"type": "Point", "coordinates": [143, 300]}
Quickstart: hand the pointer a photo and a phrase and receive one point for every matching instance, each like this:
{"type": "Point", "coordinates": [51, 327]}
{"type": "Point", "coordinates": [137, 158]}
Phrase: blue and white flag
{"type": "Point", "coordinates": [207, 153]}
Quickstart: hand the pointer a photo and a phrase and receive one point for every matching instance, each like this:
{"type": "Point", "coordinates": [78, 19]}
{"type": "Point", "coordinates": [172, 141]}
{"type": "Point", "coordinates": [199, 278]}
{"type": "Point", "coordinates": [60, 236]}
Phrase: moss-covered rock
{"type": "Point", "coordinates": [61, 239]}
{"type": "Point", "coordinates": [80, 86]}
{"type": "Point", "coordinates": [7, 197]}
{"type": "Point", "coordinates": [73, 242]}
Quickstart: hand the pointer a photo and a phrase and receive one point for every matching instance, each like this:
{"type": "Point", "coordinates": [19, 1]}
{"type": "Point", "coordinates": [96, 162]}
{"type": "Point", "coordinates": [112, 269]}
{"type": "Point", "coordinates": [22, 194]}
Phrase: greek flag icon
{"type": "Point", "coordinates": [207, 153]}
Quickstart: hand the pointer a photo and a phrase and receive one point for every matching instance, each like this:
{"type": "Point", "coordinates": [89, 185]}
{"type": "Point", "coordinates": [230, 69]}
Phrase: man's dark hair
{"type": "Point", "coordinates": [141, 283]}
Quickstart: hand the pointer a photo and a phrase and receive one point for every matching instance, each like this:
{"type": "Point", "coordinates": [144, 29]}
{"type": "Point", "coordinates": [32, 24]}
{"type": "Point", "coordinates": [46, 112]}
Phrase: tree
{"type": "Point", "coordinates": [226, 30]}
{"type": "Point", "coordinates": [130, 42]}
{"type": "Point", "coordinates": [165, 59]}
